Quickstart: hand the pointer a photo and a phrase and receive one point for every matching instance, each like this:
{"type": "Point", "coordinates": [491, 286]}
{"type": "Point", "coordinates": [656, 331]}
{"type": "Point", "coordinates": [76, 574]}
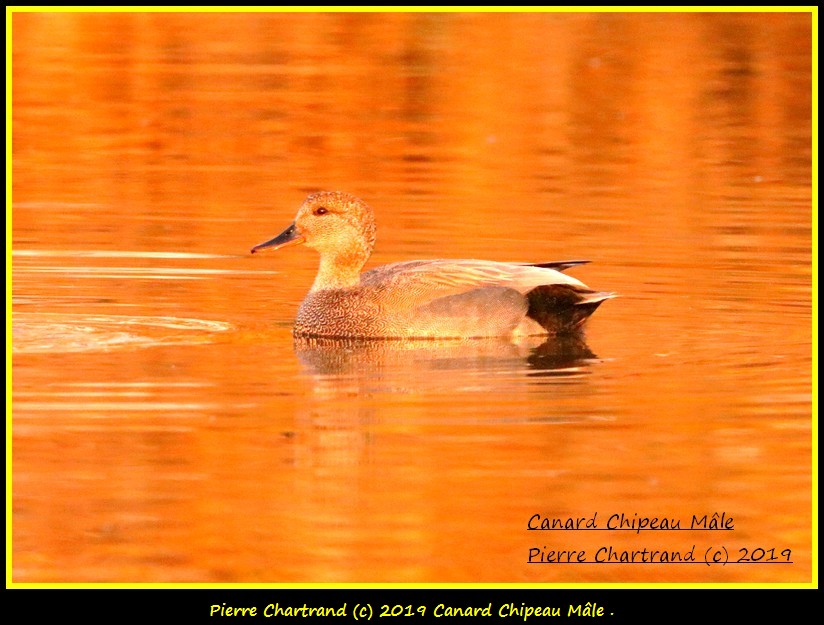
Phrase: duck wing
{"type": "Point", "coordinates": [439, 278]}
{"type": "Point", "coordinates": [484, 298]}
{"type": "Point", "coordinates": [560, 265]}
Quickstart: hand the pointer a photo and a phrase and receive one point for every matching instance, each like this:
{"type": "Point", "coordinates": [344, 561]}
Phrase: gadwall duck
{"type": "Point", "coordinates": [422, 298]}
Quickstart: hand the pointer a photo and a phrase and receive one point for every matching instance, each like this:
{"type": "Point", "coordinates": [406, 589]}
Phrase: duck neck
{"type": "Point", "coordinates": [339, 271]}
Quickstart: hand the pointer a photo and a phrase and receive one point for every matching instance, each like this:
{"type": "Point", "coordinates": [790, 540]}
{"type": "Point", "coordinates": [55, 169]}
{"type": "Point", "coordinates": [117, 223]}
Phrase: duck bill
{"type": "Point", "coordinates": [288, 237]}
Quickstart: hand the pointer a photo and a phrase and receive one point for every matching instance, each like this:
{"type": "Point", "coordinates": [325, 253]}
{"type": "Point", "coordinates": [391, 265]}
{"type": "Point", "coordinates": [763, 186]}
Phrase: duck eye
{"type": "Point", "coordinates": [321, 210]}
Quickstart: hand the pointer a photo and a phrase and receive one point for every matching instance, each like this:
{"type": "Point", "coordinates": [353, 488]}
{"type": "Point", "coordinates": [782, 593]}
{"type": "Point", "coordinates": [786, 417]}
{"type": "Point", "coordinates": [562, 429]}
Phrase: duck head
{"type": "Point", "coordinates": [340, 226]}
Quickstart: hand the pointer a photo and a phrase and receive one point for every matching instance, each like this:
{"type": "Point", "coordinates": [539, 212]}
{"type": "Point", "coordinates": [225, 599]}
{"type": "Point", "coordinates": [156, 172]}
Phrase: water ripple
{"type": "Point", "coordinates": [54, 332]}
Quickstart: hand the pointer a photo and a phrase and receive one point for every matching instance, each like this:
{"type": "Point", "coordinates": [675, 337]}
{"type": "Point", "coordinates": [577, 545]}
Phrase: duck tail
{"type": "Point", "coordinates": [563, 308]}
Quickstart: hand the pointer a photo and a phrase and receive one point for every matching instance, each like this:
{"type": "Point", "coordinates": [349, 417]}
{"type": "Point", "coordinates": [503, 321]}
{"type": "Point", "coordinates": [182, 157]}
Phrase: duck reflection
{"type": "Point", "coordinates": [379, 402]}
{"type": "Point", "coordinates": [560, 355]}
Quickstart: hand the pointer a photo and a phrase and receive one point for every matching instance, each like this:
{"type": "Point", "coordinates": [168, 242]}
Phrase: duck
{"type": "Point", "coordinates": [422, 299]}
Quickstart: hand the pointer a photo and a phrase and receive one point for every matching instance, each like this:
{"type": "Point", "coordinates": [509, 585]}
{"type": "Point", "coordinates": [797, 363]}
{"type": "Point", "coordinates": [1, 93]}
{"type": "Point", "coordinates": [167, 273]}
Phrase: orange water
{"type": "Point", "coordinates": [165, 426]}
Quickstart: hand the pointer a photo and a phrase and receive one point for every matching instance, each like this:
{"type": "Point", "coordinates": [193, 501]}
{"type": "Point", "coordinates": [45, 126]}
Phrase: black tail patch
{"type": "Point", "coordinates": [561, 308]}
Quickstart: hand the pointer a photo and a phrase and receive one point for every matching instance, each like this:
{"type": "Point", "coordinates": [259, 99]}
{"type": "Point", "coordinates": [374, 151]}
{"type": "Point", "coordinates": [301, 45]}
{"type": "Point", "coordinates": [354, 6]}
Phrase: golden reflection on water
{"type": "Point", "coordinates": [166, 427]}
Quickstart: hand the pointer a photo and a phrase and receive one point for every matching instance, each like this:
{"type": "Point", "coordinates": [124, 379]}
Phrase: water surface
{"type": "Point", "coordinates": [166, 427]}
